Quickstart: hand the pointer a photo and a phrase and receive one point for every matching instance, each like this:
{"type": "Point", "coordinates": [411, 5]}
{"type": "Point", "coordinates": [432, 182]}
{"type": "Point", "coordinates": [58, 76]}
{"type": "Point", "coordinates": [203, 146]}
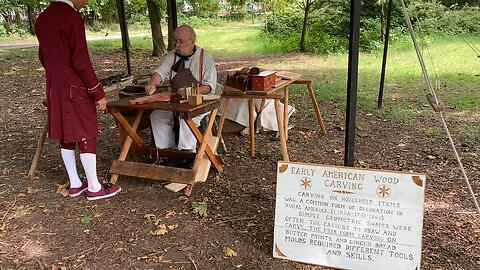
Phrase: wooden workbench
{"type": "Point", "coordinates": [159, 172]}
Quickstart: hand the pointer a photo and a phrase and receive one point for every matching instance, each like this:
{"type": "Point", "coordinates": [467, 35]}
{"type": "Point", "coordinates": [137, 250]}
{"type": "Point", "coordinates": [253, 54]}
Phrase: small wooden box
{"type": "Point", "coordinates": [194, 99]}
{"type": "Point", "coordinates": [263, 80]}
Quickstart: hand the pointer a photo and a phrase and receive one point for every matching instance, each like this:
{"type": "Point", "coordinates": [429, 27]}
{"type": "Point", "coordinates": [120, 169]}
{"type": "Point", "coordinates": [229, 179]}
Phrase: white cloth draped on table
{"type": "Point", "coordinates": [237, 111]}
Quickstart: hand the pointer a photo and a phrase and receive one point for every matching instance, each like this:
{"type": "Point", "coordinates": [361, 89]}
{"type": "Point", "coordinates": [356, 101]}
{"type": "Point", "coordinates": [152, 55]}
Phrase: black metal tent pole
{"type": "Point", "coordinates": [174, 13]}
{"type": "Point", "coordinates": [353, 51]}
{"type": "Point", "coordinates": [384, 61]}
{"type": "Point", "coordinates": [124, 30]}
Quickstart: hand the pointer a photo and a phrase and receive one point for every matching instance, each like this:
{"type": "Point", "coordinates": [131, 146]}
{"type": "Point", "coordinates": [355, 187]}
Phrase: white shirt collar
{"type": "Point", "coordinates": [66, 2]}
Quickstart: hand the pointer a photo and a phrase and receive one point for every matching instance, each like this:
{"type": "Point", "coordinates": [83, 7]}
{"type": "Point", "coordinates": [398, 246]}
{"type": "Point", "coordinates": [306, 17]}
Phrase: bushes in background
{"type": "Point", "coordinates": [328, 26]}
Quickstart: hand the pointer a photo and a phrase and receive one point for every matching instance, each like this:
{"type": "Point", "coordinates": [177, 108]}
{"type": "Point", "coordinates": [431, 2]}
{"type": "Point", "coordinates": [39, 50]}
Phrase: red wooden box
{"type": "Point", "coordinates": [263, 80]}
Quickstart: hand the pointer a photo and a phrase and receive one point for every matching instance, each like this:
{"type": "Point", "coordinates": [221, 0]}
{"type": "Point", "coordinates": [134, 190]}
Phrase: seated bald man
{"type": "Point", "coordinates": [184, 66]}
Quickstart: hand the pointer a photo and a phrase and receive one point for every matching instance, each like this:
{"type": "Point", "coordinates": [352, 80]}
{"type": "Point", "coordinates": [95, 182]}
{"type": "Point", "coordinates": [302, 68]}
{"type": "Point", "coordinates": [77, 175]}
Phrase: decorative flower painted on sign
{"type": "Point", "coordinates": [305, 182]}
{"type": "Point", "coordinates": [383, 191]}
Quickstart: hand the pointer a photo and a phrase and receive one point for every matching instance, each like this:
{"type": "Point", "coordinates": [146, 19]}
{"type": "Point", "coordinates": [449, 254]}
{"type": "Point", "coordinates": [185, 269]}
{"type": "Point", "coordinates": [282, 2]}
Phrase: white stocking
{"type": "Point", "coordinates": [89, 162]}
{"type": "Point", "coordinates": [68, 157]}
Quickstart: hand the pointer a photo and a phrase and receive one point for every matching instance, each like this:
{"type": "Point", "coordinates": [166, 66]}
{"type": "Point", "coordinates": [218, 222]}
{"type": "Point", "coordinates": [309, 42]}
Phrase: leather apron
{"type": "Point", "coordinates": [184, 78]}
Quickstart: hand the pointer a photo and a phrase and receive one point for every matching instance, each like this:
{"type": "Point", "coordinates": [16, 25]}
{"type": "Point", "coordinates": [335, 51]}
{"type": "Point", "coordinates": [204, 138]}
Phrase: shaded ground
{"type": "Point", "coordinates": [40, 229]}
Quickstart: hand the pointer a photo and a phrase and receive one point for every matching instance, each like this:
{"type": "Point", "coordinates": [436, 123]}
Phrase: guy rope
{"type": "Point", "coordinates": [472, 45]}
{"type": "Point", "coordinates": [434, 102]}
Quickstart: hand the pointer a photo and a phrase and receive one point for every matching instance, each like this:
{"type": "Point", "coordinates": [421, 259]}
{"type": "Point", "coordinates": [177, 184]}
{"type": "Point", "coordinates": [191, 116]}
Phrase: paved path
{"type": "Point", "coordinates": [33, 43]}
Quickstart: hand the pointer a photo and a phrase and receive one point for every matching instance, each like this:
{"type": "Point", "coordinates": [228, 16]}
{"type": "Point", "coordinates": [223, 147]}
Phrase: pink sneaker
{"type": "Point", "coordinates": [74, 192]}
{"type": "Point", "coordinates": [107, 190]}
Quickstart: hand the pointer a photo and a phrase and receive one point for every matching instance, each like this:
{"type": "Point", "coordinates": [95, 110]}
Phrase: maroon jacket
{"type": "Point", "coordinates": [72, 85]}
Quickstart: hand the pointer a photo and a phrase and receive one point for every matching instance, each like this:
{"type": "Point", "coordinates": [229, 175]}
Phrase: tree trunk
{"type": "Point", "coordinates": [18, 18]}
{"type": "Point", "coordinates": [157, 37]}
{"type": "Point", "coordinates": [31, 19]}
{"type": "Point", "coordinates": [171, 43]}
{"type": "Point", "coordinates": [304, 28]}
{"type": "Point", "coordinates": [7, 24]}
{"type": "Point", "coordinates": [122, 28]}
{"type": "Point", "coordinates": [382, 23]}
{"type": "Point", "coordinates": [87, 19]}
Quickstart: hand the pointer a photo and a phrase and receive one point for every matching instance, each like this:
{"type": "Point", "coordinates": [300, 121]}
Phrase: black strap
{"type": "Point", "coordinates": [176, 127]}
{"type": "Point", "coordinates": [180, 64]}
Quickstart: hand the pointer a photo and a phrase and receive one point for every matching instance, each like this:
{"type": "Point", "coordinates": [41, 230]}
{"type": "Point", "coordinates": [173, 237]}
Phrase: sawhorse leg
{"type": "Point", "coordinates": [128, 141]}
{"type": "Point", "coordinates": [203, 148]}
{"type": "Point", "coordinates": [314, 103]}
{"type": "Point", "coordinates": [285, 112]}
{"type": "Point", "coordinates": [280, 122]}
{"type": "Point", "coordinates": [222, 117]}
{"type": "Point", "coordinates": [317, 109]}
{"type": "Point", "coordinates": [251, 125]}
{"type": "Point", "coordinates": [38, 152]}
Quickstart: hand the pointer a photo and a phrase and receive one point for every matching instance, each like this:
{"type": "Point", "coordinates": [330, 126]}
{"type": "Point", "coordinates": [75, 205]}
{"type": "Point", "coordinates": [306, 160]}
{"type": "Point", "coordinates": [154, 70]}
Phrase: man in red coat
{"type": "Point", "coordinates": [72, 90]}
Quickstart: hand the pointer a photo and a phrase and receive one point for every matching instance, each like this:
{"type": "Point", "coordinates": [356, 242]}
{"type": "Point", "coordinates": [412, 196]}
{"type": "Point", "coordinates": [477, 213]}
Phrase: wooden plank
{"type": "Point", "coordinates": [216, 160]}
{"type": "Point", "coordinates": [288, 75]}
{"type": "Point", "coordinates": [203, 169]}
{"type": "Point", "coordinates": [205, 162]}
{"type": "Point", "coordinates": [233, 91]}
{"type": "Point", "coordinates": [175, 187]}
{"type": "Point", "coordinates": [437, 107]}
{"type": "Point", "coordinates": [151, 171]}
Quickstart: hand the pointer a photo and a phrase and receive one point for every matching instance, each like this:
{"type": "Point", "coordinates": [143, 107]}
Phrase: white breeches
{"type": "Point", "coordinates": [162, 128]}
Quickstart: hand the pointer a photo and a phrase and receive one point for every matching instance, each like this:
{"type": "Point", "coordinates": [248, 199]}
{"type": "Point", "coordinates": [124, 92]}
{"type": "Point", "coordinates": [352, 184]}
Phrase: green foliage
{"type": "Point", "coordinates": [199, 208]}
{"type": "Point", "coordinates": [465, 20]}
{"type": "Point", "coordinates": [204, 8]}
{"type": "Point", "coordinates": [100, 10]}
{"type": "Point", "coordinates": [328, 26]}
{"type": "Point", "coordinates": [460, 3]}
{"type": "Point", "coordinates": [433, 17]}
{"type": "Point", "coordinates": [370, 39]}
{"type": "Point", "coordinates": [139, 7]}
{"type": "Point", "coordinates": [398, 112]}
{"type": "Point", "coordinates": [199, 21]}
{"type": "Point", "coordinates": [3, 31]}
{"type": "Point", "coordinates": [236, 16]}
{"type": "Point", "coordinates": [139, 21]}
{"type": "Point", "coordinates": [86, 219]}
{"type": "Point", "coordinates": [24, 53]}
{"type": "Point", "coordinates": [435, 133]}
{"type": "Point", "coordinates": [469, 131]}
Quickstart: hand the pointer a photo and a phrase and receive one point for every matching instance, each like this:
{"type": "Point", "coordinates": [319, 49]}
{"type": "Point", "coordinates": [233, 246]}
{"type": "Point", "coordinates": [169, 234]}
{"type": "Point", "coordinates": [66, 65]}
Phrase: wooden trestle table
{"type": "Point", "coordinates": [158, 172]}
{"type": "Point", "coordinates": [276, 92]}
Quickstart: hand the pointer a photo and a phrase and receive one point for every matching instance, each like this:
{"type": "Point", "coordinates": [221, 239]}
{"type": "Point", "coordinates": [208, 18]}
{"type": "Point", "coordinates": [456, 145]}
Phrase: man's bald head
{"type": "Point", "coordinates": [184, 36]}
{"type": "Point", "coordinates": [186, 30]}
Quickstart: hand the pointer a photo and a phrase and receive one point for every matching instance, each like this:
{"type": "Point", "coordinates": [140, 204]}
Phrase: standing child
{"type": "Point", "coordinates": [72, 90]}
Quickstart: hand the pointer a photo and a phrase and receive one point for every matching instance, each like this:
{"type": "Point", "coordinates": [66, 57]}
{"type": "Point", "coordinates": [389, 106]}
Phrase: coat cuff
{"type": "Point", "coordinates": [96, 92]}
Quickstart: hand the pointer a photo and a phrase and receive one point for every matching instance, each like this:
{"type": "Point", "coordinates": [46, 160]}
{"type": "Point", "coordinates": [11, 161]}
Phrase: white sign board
{"type": "Point", "coordinates": [347, 217]}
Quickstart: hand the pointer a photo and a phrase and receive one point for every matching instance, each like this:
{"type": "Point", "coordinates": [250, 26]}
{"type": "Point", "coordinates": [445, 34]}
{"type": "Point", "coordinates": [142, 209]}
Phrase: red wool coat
{"type": "Point", "coordinates": [72, 86]}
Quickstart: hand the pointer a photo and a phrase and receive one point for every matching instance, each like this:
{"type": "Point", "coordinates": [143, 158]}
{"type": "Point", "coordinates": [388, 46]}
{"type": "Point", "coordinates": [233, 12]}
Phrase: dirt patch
{"type": "Point", "coordinates": [40, 229]}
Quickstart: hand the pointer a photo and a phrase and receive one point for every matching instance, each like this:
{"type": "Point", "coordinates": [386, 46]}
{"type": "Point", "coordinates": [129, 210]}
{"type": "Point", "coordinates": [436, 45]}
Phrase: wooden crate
{"type": "Point", "coordinates": [264, 80]}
